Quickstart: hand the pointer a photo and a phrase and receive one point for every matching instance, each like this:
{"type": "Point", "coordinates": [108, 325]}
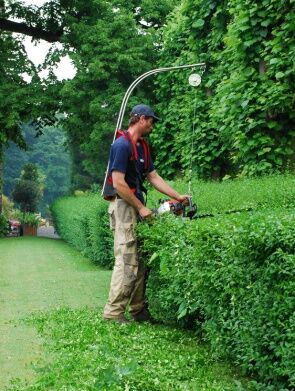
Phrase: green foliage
{"type": "Point", "coordinates": [234, 278]}
{"type": "Point", "coordinates": [83, 222]}
{"type": "Point", "coordinates": [49, 154]}
{"type": "Point", "coordinates": [14, 92]}
{"type": "Point", "coordinates": [109, 43]}
{"type": "Point", "coordinates": [28, 218]}
{"type": "Point", "coordinates": [28, 189]}
{"type": "Point", "coordinates": [92, 354]}
{"type": "Point", "coordinates": [231, 277]}
{"type": "Point", "coordinates": [273, 191]}
{"type": "Point", "coordinates": [20, 100]}
{"type": "Point", "coordinates": [26, 194]}
{"type": "Point", "coordinates": [258, 117]}
{"type": "Point", "coordinates": [7, 207]}
{"type": "Point", "coordinates": [112, 48]}
{"type": "Point", "coordinates": [4, 227]}
{"type": "Point", "coordinates": [243, 112]}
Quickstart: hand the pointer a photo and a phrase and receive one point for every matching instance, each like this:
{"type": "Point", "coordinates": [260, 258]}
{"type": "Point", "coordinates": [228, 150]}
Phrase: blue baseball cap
{"type": "Point", "coordinates": [144, 110]}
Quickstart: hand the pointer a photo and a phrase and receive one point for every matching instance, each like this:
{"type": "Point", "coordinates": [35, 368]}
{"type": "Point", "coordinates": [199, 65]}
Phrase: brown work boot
{"type": "Point", "coordinates": [143, 316]}
{"type": "Point", "coordinates": [120, 319]}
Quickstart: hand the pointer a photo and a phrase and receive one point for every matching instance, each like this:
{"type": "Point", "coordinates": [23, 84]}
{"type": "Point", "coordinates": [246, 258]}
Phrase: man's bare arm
{"type": "Point", "coordinates": [162, 186]}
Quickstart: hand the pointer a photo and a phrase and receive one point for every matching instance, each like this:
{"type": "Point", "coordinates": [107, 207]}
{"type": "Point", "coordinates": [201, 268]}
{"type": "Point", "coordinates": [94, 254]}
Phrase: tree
{"type": "Point", "coordinates": [110, 44]}
{"type": "Point", "coordinates": [20, 100]}
{"type": "Point", "coordinates": [118, 43]}
{"type": "Point", "coordinates": [49, 153]}
{"type": "Point", "coordinates": [28, 189]}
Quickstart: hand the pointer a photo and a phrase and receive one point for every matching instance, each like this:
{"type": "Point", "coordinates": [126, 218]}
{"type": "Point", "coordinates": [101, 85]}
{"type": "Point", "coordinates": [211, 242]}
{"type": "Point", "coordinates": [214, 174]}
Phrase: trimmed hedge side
{"type": "Point", "coordinates": [232, 279]}
{"type": "Point", "coordinates": [83, 222]}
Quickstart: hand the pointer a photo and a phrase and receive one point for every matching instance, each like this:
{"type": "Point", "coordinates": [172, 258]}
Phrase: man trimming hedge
{"type": "Point", "coordinates": [129, 165]}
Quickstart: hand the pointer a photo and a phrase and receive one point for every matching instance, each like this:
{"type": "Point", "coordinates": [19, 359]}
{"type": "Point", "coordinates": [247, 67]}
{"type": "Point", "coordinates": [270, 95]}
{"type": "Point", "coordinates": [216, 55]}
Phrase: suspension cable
{"type": "Point", "coordinates": [190, 191]}
{"type": "Point", "coordinates": [195, 83]}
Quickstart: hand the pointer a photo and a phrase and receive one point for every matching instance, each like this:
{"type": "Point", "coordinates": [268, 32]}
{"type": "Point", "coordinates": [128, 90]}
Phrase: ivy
{"type": "Point", "coordinates": [244, 106]}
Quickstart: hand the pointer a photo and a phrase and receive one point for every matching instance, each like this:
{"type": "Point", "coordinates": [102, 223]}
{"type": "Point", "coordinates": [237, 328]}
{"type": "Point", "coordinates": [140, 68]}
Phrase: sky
{"type": "Point", "coordinates": [37, 53]}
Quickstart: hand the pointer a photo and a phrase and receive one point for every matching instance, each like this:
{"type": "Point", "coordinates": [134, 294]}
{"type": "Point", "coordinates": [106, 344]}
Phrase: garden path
{"type": "Point", "coordinates": [47, 231]}
{"type": "Point", "coordinates": [38, 274]}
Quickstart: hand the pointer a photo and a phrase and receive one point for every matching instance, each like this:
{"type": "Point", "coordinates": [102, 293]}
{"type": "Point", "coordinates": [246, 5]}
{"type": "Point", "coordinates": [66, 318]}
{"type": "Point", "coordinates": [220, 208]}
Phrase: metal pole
{"type": "Point", "coordinates": [131, 88]}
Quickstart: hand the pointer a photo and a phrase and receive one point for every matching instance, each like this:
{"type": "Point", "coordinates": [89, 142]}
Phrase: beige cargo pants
{"type": "Point", "coordinates": [127, 284]}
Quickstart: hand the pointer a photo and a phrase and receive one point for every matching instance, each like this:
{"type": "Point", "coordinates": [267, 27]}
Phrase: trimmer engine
{"type": "Point", "coordinates": [177, 208]}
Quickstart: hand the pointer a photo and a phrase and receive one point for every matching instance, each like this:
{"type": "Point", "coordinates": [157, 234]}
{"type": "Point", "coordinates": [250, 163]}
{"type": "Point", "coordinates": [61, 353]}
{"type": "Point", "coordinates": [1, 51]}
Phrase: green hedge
{"type": "Point", "coordinates": [276, 191]}
{"type": "Point", "coordinates": [231, 277]}
{"type": "Point", "coordinates": [83, 222]}
{"type": "Point", "coordinates": [243, 111]}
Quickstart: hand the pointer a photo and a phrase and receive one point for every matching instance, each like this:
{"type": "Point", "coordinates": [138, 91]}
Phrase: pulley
{"type": "Point", "coordinates": [194, 80]}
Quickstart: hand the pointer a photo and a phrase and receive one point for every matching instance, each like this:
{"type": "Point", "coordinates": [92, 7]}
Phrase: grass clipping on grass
{"type": "Point", "coordinates": [92, 354]}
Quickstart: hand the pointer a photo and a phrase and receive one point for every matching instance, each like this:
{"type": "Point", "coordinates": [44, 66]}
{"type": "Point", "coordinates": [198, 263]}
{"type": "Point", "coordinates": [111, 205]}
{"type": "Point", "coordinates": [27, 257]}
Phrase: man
{"type": "Point", "coordinates": [130, 164]}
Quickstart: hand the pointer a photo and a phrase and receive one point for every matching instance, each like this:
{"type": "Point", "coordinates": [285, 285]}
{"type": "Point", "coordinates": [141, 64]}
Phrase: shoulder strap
{"type": "Point", "coordinates": [146, 152]}
{"type": "Point", "coordinates": [134, 154]}
{"type": "Point", "coordinates": [126, 135]}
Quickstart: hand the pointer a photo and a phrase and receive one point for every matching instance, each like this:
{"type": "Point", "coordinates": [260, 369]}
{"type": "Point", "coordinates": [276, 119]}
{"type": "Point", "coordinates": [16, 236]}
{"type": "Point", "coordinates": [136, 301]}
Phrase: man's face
{"type": "Point", "coordinates": [147, 125]}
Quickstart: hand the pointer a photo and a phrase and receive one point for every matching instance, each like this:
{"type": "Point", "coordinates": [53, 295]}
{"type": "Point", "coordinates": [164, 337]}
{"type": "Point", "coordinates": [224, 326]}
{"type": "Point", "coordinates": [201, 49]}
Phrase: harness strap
{"type": "Point", "coordinates": [146, 152]}
{"type": "Point", "coordinates": [134, 158]}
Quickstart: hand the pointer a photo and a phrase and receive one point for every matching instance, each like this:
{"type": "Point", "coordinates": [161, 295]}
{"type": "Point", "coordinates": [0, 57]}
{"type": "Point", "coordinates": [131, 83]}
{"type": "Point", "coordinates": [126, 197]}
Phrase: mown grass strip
{"type": "Point", "coordinates": [40, 274]}
{"type": "Point", "coordinates": [92, 354]}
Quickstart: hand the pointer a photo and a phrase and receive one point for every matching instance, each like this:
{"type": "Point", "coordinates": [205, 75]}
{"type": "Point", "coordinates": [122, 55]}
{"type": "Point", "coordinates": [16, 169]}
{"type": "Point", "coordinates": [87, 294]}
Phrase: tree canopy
{"type": "Point", "coordinates": [49, 153]}
{"type": "Point", "coordinates": [110, 44]}
{"type": "Point", "coordinates": [242, 114]}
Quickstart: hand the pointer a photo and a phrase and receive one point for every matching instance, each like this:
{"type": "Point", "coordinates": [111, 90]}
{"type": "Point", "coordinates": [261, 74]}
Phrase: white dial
{"type": "Point", "coordinates": [194, 80]}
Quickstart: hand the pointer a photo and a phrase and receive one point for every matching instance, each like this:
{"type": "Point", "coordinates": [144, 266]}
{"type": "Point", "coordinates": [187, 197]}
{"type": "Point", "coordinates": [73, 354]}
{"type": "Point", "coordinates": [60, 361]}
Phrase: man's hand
{"type": "Point", "coordinates": [184, 199]}
{"type": "Point", "coordinates": [145, 213]}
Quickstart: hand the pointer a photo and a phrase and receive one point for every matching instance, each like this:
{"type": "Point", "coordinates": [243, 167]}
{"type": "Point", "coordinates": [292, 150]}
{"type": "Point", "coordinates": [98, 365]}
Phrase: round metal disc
{"type": "Point", "coordinates": [194, 80]}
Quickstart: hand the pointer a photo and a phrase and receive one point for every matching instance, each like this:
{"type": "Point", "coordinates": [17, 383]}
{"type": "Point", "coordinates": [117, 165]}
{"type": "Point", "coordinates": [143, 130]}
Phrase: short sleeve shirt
{"type": "Point", "coordinates": [120, 154]}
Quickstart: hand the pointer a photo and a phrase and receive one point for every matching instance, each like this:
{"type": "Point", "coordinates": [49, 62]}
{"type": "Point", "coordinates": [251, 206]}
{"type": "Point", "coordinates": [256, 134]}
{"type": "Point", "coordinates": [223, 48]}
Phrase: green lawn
{"type": "Point", "coordinates": [53, 336]}
{"type": "Point", "coordinates": [39, 274]}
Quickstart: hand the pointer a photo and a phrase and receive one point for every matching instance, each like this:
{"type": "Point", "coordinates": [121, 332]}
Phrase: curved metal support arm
{"type": "Point", "coordinates": [142, 77]}
{"type": "Point", "coordinates": [131, 88]}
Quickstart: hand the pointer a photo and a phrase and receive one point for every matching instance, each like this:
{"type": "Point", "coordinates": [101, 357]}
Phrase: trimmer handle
{"type": "Point", "coordinates": [190, 210]}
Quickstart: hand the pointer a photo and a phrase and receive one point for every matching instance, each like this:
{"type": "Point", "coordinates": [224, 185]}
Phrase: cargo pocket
{"type": "Point", "coordinates": [126, 213]}
{"type": "Point", "coordinates": [127, 236]}
{"type": "Point", "coordinates": [130, 273]}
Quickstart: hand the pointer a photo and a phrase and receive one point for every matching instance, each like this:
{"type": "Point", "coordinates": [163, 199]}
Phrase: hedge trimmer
{"type": "Point", "coordinates": [190, 211]}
